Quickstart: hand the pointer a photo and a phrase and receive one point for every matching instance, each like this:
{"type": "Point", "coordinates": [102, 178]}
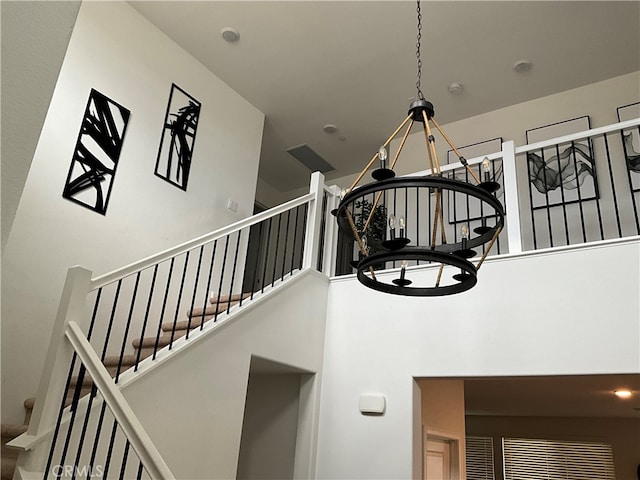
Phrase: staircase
{"type": "Point", "coordinates": [146, 346]}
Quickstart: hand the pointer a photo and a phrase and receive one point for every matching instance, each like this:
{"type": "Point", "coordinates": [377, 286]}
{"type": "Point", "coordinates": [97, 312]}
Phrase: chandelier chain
{"type": "Point", "coordinates": [418, 56]}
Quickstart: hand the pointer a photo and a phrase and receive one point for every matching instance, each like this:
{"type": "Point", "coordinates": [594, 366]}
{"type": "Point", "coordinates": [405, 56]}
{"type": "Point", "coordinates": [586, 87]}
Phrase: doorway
{"type": "Point", "coordinates": [441, 456]}
{"type": "Point", "coordinates": [278, 412]}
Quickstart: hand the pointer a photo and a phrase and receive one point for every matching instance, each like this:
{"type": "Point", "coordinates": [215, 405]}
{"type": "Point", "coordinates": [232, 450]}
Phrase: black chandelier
{"type": "Point", "coordinates": [414, 208]}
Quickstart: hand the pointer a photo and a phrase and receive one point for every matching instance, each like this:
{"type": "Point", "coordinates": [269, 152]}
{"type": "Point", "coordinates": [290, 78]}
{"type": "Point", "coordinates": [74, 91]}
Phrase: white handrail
{"type": "Point", "coordinates": [111, 277]}
{"type": "Point", "coordinates": [148, 454]}
{"type": "Point", "coordinates": [536, 146]}
{"type": "Point", "coordinates": [579, 135]}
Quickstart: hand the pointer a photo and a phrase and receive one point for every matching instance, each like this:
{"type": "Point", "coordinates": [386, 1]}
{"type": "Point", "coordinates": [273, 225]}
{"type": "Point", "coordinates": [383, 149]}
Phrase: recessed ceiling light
{"type": "Point", "coordinates": [623, 393]}
{"type": "Point", "coordinates": [230, 35]}
{"type": "Point", "coordinates": [522, 66]}
{"type": "Point", "coordinates": [330, 129]}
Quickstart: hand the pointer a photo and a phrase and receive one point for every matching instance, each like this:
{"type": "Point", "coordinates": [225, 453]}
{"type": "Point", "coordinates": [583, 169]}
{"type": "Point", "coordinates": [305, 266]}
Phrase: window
{"type": "Point", "coordinates": [479, 458]}
{"type": "Point", "coordinates": [526, 459]}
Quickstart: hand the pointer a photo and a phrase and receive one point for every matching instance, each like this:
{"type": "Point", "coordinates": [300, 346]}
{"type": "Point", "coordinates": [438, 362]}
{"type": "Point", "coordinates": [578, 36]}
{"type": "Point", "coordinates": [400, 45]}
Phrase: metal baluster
{"type": "Point", "coordinates": [264, 270]}
{"type": "Point", "coordinates": [126, 331]}
{"type": "Point", "coordinates": [93, 390]}
{"type": "Point", "coordinates": [112, 442]}
{"type": "Point", "coordinates": [295, 236]}
{"type": "Point", "coordinates": [286, 243]}
{"type": "Point", "coordinates": [233, 271]}
{"type": "Point", "coordinates": [164, 306]}
{"type": "Point", "coordinates": [595, 183]}
{"type": "Point", "coordinates": [224, 264]}
{"type": "Point", "coordinates": [175, 317]}
{"type": "Point", "coordinates": [533, 217]}
{"type": "Point", "coordinates": [304, 234]}
{"type": "Point", "coordinates": [206, 294]}
{"type": "Point", "coordinates": [275, 258]}
{"type": "Point", "coordinates": [195, 291]}
{"type": "Point", "coordinates": [564, 203]}
{"type": "Point", "coordinates": [257, 262]}
{"type": "Point", "coordinates": [146, 315]}
{"type": "Point", "coordinates": [613, 190]}
{"type": "Point", "coordinates": [59, 420]}
{"type": "Point", "coordinates": [125, 455]}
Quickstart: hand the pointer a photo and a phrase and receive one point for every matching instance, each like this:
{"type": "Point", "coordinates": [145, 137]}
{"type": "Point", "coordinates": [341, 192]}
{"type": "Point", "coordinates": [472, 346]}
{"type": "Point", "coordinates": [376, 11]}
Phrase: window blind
{"type": "Point", "coordinates": [526, 459]}
{"type": "Point", "coordinates": [479, 457]}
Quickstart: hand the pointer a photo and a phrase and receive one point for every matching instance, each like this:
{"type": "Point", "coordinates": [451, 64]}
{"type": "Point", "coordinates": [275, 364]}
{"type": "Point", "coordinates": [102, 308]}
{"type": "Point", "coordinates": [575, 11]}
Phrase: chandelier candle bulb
{"type": "Point", "coordinates": [486, 169]}
{"type": "Point", "coordinates": [382, 155]}
{"type": "Point", "coordinates": [403, 269]}
{"type": "Point", "coordinates": [401, 222]}
{"type": "Point", "coordinates": [392, 226]}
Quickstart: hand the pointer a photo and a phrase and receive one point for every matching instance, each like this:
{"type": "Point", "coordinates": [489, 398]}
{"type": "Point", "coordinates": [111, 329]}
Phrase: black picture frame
{"type": "Point", "coordinates": [565, 173]}
{"type": "Point", "coordinates": [631, 143]}
{"type": "Point", "coordinates": [459, 211]}
{"type": "Point", "coordinates": [175, 153]}
{"type": "Point", "coordinates": [97, 153]}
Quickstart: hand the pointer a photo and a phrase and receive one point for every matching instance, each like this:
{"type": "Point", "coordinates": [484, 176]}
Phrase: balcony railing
{"type": "Point", "coordinates": [575, 189]}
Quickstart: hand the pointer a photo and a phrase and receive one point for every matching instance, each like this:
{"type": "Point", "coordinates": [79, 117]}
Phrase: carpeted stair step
{"type": "Point", "coordinates": [11, 431]}
{"type": "Point", "coordinates": [150, 342]}
{"type": "Point", "coordinates": [226, 298]}
{"type": "Point", "coordinates": [10, 456]}
{"type": "Point", "coordinates": [181, 327]}
{"type": "Point", "coordinates": [112, 362]}
{"type": "Point", "coordinates": [198, 312]}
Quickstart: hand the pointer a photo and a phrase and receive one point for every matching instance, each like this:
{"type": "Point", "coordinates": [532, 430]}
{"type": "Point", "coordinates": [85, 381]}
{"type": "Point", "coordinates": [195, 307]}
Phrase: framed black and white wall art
{"type": "Point", "coordinates": [631, 144]}
{"type": "Point", "coordinates": [97, 152]}
{"type": "Point", "coordinates": [178, 137]}
{"type": "Point", "coordinates": [460, 209]}
{"type": "Point", "coordinates": [564, 173]}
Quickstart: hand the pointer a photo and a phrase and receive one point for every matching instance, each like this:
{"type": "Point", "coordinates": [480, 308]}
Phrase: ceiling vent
{"type": "Point", "coordinates": [310, 159]}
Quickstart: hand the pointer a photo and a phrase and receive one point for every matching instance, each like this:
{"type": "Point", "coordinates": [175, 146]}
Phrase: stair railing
{"type": "Point", "coordinates": [205, 280]}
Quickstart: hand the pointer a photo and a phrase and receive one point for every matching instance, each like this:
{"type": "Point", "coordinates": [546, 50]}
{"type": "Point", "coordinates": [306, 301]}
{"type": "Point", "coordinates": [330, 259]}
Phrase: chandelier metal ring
{"type": "Point", "coordinates": [432, 183]}
{"type": "Point", "coordinates": [468, 275]}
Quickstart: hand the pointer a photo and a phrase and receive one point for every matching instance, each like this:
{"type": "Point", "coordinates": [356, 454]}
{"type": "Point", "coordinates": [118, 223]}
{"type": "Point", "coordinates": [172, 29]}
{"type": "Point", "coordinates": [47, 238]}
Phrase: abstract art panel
{"type": "Point", "coordinates": [631, 144]}
{"type": "Point", "coordinates": [178, 136]}
{"type": "Point", "coordinates": [564, 173]}
{"type": "Point", "coordinates": [460, 211]}
{"type": "Point", "coordinates": [97, 152]}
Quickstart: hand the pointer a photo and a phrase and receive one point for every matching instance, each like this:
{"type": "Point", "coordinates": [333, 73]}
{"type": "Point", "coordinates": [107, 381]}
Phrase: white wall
{"type": "Point", "coordinates": [116, 51]}
{"type": "Point", "coordinates": [202, 405]}
{"type": "Point", "coordinates": [598, 100]}
{"type": "Point", "coordinates": [543, 314]}
{"type": "Point", "coordinates": [29, 72]}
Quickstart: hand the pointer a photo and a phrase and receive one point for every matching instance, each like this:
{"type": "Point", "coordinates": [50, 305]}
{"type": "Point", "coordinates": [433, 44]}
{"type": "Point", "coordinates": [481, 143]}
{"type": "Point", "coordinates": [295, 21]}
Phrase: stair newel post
{"type": "Point", "coordinates": [331, 233]}
{"type": "Point", "coordinates": [314, 220]}
{"type": "Point", "coordinates": [52, 385]}
{"type": "Point", "coordinates": [511, 197]}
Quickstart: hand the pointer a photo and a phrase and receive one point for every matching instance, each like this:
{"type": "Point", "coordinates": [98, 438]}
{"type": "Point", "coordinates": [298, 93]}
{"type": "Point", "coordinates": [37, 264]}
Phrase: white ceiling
{"type": "Point", "coordinates": [352, 63]}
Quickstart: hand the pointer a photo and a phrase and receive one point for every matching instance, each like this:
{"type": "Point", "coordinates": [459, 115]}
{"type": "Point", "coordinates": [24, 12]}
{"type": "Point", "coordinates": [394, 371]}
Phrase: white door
{"type": "Point", "coordinates": [437, 459]}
